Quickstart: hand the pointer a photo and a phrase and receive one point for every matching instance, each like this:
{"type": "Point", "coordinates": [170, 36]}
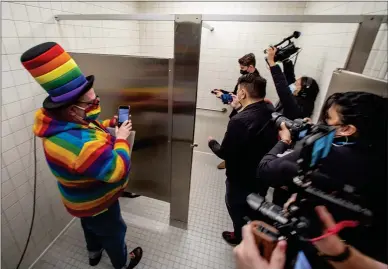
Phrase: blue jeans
{"type": "Point", "coordinates": [107, 231]}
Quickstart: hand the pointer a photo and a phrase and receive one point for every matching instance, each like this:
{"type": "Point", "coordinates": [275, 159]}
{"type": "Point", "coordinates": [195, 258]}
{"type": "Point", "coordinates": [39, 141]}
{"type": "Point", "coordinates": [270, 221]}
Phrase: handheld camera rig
{"type": "Point", "coordinates": [288, 50]}
{"type": "Point", "coordinates": [300, 223]}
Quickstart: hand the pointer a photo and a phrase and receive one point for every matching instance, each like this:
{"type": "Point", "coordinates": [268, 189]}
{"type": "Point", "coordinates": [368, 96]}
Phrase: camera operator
{"type": "Point", "coordinates": [248, 138]}
{"type": "Point", "coordinates": [297, 97]}
{"type": "Point", "coordinates": [357, 159]}
{"type": "Point", "coordinates": [247, 66]}
{"type": "Point", "coordinates": [248, 255]}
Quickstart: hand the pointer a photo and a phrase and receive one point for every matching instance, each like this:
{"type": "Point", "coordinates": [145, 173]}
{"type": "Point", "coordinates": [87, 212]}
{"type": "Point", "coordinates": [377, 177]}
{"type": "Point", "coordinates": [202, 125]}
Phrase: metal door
{"type": "Point", "coordinates": [141, 83]}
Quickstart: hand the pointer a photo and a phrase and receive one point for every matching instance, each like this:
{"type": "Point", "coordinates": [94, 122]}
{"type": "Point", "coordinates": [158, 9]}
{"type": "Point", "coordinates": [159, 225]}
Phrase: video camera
{"type": "Point", "coordinates": [300, 223]}
{"type": "Point", "coordinates": [298, 127]}
{"type": "Point", "coordinates": [288, 50]}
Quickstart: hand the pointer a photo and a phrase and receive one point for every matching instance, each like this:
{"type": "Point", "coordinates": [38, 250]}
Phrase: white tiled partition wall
{"type": "Point", "coordinates": [25, 24]}
{"type": "Point", "coordinates": [220, 50]}
{"type": "Point", "coordinates": [326, 46]}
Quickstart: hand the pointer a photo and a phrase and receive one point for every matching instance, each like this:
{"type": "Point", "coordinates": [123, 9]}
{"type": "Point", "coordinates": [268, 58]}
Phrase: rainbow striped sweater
{"type": "Point", "coordinates": [91, 166]}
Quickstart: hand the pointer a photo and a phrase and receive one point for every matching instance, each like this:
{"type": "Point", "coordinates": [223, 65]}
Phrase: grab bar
{"type": "Point", "coordinates": [223, 110]}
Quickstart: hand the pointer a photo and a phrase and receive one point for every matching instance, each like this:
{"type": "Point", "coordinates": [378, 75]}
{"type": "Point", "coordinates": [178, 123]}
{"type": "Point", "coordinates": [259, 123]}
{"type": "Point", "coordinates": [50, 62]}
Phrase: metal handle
{"type": "Point", "coordinates": [194, 145]}
{"type": "Point", "coordinates": [223, 110]}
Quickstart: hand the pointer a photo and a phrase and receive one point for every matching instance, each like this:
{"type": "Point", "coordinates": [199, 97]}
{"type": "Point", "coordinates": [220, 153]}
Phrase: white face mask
{"type": "Point", "coordinates": [292, 87]}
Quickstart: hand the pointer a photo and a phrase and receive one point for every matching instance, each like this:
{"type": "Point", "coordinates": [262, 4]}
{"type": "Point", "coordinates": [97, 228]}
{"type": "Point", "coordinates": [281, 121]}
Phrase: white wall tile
{"type": "Point", "coordinates": [7, 143]}
{"type": "Point", "coordinates": [9, 95]}
{"type": "Point", "coordinates": [14, 60]}
{"type": "Point", "coordinates": [34, 14]}
{"type": "Point", "coordinates": [4, 175]}
{"type": "Point", "coordinates": [13, 211]}
{"type": "Point", "coordinates": [20, 76]}
{"type": "Point", "coordinates": [22, 135]}
{"type": "Point", "coordinates": [7, 79]}
{"type": "Point", "coordinates": [10, 156]}
{"type": "Point", "coordinates": [23, 190]}
{"type": "Point", "coordinates": [24, 91]}
{"type": "Point", "coordinates": [4, 63]}
{"type": "Point", "coordinates": [9, 200]}
{"type": "Point", "coordinates": [25, 148]}
{"type": "Point", "coordinates": [5, 128]}
{"type": "Point", "coordinates": [19, 12]}
{"type": "Point", "coordinates": [6, 188]}
{"type": "Point", "coordinates": [12, 45]}
{"type": "Point", "coordinates": [6, 13]}
{"type": "Point", "coordinates": [29, 118]}
{"type": "Point", "coordinates": [20, 178]}
{"type": "Point", "coordinates": [47, 15]}
{"type": "Point", "coordinates": [8, 28]}
{"type": "Point", "coordinates": [23, 28]}
{"type": "Point", "coordinates": [13, 109]}
{"type": "Point", "coordinates": [3, 113]}
{"type": "Point", "coordinates": [17, 124]}
{"type": "Point", "coordinates": [27, 105]}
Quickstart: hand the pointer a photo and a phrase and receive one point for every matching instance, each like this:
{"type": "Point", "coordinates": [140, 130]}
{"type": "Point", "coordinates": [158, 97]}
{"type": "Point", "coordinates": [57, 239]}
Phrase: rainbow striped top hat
{"type": "Point", "coordinates": [55, 70]}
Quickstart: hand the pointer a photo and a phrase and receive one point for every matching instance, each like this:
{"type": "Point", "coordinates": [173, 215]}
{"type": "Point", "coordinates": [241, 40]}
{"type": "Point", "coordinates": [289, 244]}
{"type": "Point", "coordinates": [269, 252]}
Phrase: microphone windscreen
{"type": "Point", "coordinates": [297, 34]}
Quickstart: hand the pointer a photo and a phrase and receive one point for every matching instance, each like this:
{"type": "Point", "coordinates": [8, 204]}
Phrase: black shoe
{"type": "Point", "coordinates": [96, 260]}
{"type": "Point", "coordinates": [130, 195]}
{"type": "Point", "coordinates": [230, 238]}
{"type": "Point", "coordinates": [135, 257]}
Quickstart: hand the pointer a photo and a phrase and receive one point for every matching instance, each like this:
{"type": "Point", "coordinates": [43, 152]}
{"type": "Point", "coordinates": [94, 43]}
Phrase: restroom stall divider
{"type": "Point", "coordinates": [183, 81]}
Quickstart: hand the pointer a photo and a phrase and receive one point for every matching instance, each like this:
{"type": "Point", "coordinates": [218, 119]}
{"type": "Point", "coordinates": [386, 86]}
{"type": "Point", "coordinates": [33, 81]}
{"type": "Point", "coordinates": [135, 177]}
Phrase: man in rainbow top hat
{"type": "Point", "coordinates": [91, 166]}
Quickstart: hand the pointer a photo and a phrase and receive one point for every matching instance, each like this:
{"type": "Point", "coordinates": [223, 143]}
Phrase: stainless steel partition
{"type": "Point", "coordinates": [345, 81]}
{"type": "Point", "coordinates": [187, 43]}
{"type": "Point", "coordinates": [143, 84]}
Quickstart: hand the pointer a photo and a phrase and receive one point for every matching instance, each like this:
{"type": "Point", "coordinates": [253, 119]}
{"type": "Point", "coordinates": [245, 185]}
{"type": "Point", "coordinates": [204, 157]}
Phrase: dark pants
{"type": "Point", "coordinates": [107, 231]}
{"type": "Point", "coordinates": [238, 208]}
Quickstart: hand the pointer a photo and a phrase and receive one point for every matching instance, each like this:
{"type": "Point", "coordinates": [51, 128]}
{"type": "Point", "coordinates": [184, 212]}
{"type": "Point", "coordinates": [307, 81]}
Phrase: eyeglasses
{"type": "Point", "coordinates": [95, 101]}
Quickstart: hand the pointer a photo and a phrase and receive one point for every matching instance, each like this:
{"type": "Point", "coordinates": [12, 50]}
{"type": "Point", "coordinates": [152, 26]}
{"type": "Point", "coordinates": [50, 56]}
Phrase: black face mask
{"type": "Point", "coordinates": [243, 72]}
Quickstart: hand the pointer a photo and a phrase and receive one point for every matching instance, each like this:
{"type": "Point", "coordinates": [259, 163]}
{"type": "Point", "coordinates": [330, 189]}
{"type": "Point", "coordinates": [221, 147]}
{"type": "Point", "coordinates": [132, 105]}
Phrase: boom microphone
{"type": "Point", "coordinates": [296, 34]}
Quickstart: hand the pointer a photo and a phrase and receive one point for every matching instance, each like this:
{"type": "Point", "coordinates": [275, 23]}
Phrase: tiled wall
{"type": "Point", "coordinates": [23, 26]}
{"type": "Point", "coordinates": [326, 46]}
{"type": "Point", "coordinates": [220, 50]}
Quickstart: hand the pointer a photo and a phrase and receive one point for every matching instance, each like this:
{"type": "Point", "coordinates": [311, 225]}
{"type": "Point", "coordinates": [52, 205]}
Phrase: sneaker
{"type": "Point", "coordinates": [221, 165]}
{"type": "Point", "coordinates": [135, 257]}
{"type": "Point", "coordinates": [130, 195]}
{"type": "Point", "coordinates": [230, 238]}
{"type": "Point", "coordinates": [95, 257]}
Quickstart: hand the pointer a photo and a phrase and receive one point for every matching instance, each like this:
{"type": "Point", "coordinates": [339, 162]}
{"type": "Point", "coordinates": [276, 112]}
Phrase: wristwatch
{"type": "Point", "coordinates": [338, 258]}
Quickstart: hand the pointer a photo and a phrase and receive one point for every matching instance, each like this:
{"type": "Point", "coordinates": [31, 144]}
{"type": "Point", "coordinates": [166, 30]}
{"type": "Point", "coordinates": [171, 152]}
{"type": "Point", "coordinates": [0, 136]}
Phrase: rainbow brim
{"type": "Point", "coordinates": [49, 103]}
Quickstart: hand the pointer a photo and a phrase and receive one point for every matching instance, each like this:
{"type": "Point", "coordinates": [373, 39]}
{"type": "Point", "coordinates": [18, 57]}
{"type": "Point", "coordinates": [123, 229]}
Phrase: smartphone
{"type": "Point", "coordinates": [302, 261]}
{"type": "Point", "coordinates": [124, 114]}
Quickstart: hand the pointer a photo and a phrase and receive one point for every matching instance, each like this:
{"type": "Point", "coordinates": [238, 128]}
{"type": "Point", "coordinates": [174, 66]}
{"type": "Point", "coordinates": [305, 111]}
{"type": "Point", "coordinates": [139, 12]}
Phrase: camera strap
{"type": "Point", "coordinates": [336, 229]}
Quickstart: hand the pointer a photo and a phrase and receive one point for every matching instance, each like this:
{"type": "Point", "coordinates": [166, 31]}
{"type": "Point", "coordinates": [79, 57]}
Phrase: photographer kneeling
{"type": "Point", "coordinates": [296, 96]}
{"type": "Point", "coordinates": [356, 163]}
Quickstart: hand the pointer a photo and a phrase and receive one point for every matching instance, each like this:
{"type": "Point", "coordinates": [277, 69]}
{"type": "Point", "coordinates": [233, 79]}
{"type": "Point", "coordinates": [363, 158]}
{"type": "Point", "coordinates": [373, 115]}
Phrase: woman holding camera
{"type": "Point", "coordinates": [356, 162]}
{"type": "Point", "coordinates": [297, 96]}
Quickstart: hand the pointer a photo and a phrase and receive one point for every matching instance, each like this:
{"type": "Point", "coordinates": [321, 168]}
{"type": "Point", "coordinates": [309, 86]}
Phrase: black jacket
{"type": "Point", "coordinates": [292, 107]}
{"type": "Point", "coordinates": [346, 165]}
{"type": "Point", "coordinates": [234, 112]}
{"type": "Point", "coordinates": [249, 136]}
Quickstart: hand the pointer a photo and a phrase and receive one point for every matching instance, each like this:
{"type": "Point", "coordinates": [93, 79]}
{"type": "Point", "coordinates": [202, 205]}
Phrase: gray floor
{"type": "Point", "coordinates": [165, 247]}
